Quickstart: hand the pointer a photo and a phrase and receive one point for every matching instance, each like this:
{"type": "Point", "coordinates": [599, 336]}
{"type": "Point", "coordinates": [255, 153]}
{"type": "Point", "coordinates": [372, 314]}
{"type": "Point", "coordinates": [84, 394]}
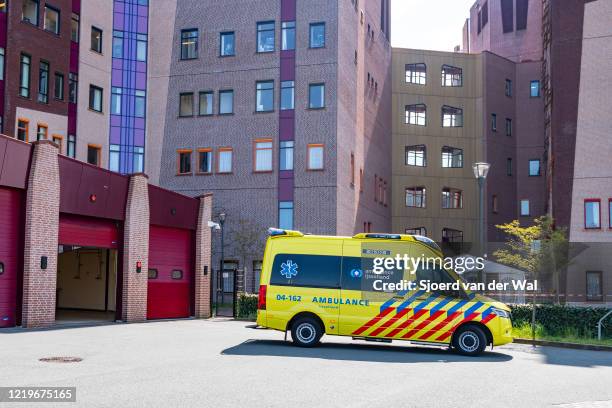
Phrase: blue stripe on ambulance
{"type": "Point", "coordinates": [425, 302]}
{"type": "Point", "coordinates": [472, 309]}
{"type": "Point", "coordinates": [456, 307]}
{"type": "Point", "coordinates": [408, 301]}
{"type": "Point", "coordinates": [440, 305]}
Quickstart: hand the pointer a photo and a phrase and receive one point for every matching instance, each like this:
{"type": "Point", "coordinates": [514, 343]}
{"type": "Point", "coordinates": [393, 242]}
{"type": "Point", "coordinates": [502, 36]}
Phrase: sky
{"type": "Point", "coordinates": [428, 24]}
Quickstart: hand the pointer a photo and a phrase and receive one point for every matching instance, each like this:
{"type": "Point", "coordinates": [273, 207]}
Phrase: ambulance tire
{"type": "Point", "coordinates": [306, 332]}
{"type": "Point", "coordinates": [469, 340]}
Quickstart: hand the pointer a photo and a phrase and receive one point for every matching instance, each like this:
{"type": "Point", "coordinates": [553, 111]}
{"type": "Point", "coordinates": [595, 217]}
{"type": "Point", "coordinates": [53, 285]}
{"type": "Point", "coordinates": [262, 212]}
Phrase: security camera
{"type": "Point", "coordinates": [214, 225]}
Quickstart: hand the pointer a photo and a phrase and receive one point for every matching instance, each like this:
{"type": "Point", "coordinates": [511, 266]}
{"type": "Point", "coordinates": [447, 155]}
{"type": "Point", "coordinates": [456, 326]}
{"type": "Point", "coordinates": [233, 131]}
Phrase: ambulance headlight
{"type": "Point", "coordinates": [501, 313]}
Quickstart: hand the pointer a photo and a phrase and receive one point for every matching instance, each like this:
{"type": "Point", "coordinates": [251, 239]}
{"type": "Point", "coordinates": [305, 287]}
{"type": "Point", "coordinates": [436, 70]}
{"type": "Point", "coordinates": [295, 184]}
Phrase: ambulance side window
{"type": "Point", "coordinates": [352, 274]}
{"type": "Point", "coordinates": [313, 271]}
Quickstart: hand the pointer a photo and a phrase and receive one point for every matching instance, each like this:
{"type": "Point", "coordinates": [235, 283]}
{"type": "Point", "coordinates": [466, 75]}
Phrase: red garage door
{"type": "Point", "coordinates": [10, 244]}
{"type": "Point", "coordinates": [169, 292]}
{"type": "Point", "coordinates": [87, 231]}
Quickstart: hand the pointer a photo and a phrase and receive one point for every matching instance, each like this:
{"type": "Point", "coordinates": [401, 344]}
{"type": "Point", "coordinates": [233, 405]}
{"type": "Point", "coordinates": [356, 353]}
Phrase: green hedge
{"type": "Point", "coordinates": [246, 307]}
{"type": "Point", "coordinates": [557, 320]}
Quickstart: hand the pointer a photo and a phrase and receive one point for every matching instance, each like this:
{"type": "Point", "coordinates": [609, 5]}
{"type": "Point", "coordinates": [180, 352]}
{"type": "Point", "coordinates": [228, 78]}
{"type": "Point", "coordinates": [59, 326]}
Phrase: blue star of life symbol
{"type": "Point", "coordinates": [289, 269]}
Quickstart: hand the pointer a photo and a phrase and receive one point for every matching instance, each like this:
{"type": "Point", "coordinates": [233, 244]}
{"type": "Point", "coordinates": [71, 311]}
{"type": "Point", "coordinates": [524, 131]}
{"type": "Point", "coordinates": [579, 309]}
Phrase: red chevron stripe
{"type": "Point", "coordinates": [373, 321]}
{"type": "Point", "coordinates": [446, 335]}
{"type": "Point", "coordinates": [423, 324]}
{"type": "Point", "coordinates": [488, 318]}
{"type": "Point", "coordinates": [439, 326]}
{"type": "Point", "coordinates": [407, 323]}
{"type": "Point", "coordinates": [390, 322]}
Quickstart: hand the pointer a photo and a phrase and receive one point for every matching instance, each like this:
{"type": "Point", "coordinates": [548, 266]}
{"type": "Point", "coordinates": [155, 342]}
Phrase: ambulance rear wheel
{"type": "Point", "coordinates": [469, 340]}
{"type": "Point", "coordinates": [306, 332]}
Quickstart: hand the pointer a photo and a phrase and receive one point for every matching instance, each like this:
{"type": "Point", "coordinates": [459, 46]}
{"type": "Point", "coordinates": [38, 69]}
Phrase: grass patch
{"type": "Point", "coordinates": [570, 336]}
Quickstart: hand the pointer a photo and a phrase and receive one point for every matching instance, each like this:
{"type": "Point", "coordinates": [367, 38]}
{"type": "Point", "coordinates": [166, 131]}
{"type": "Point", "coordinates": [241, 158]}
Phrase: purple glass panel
{"type": "Point", "coordinates": [115, 136]}
{"type": "Point", "coordinates": [118, 20]}
{"type": "Point", "coordinates": [139, 123]}
{"type": "Point", "coordinates": [142, 25]}
{"type": "Point", "coordinates": [287, 65]}
{"type": "Point", "coordinates": [117, 63]}
{"type": "Point", "coordinates": [116, 81]}
{"type": "Point", "coordinates": [287, 128]}
{"type": "Point", "coordinates": [139, 137]}
{"type": "Point", "coordinates": [285, 189]}
{"type": "Point", "coordinates": [141, 66]}
{"type": "Point", "coordinates": [141, 81]}
{"type": "Point", "coordinates": [288, 10]}
{"type": "Point", "coordinates": [115, 120]}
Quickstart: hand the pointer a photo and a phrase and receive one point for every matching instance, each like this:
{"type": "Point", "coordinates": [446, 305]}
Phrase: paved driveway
{"type": "Point", "coordinates": [218, 363]}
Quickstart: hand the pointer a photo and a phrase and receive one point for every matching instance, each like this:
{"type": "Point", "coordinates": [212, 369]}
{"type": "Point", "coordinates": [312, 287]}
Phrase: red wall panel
{"type": "Point", "coordinates": [11, 223]}
{"type": "Point", "coordinates": [169, 249]}
{"type": "Point", "coordinates": [87, 231]}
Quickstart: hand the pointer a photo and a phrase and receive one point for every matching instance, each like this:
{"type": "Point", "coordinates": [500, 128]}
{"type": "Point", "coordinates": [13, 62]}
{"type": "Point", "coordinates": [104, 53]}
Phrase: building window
{"type": "Point", "coordinates": [224, 160]}
{"type": "Point", "coordinates": [140, 98]}
{"type": "Point", "coordinates": [29, 11]}
{"type": "Point", "coordinates": [495, 204]}
{"type": "Point", "coordinates": [507, 11]}
{"type": "Point", "coordinates": [265, 36]}
{"type": "Point", "coordinates": [315, 157]}
{"type": "Point", "coordinates": [71, 146]}
{"type": "Point", "coordinates": [73, 87]}
{"type": "Point", "coordinates": [206, 103]}
{"type": "Point", "coordinates": [316, 96]}
{"type": "Point", "coordinates": [417, 231]}
{"type": "Point", "coordinates": [141, 47]}
{"type": "Point", "coordinates": [288, 35]}
{"type": "Point", "coordinates": [416, 156]}
{"type": "Point", "coordinates": [52, 20]}
{"type": "Point", "coordinates": [1, 124]}
{"type": "Point", "coordinates": [227, 45]}
{"type": "Point", "coordinates": [453, 238]}
{"type": "Point", "coordinates": [95, 98]}
{"type": "Point", "coordinates": [452, 157]}
{"type": "Point", "coordinates": [59, 87]}
{"type": "Point", "coordinates": [41, 132]}
{"type": "Point", "coordinates": [452, 117]}
{"type": "Point", "coordinates": [494, 122]}
{"type": "Point", "coordinates": [116, 96]}
{"type": "Point", "coordinates": [525, 208]}
{"type": "Point", "coordinates": [23, 128]}
{"type": "Point", "coordinates": [43, 82]}
{"type": "Point", "coordinates": [74, 28]}
{"type": "Point", "coordinates": [113, 157]}
{"type": "Point", "coordinates": [317, 35]}
{"type": "Point", "coordinates": [263, 155]}
{"type": "Point", "coordinates": [189, 44]}
{"type": "Point", "coordinates": [184, 161]}
{"type": "Point", "coordinates": [508, 127]}
{"type": "Point", "coordinates": [416, 114]}
{"type": "Point", "coordinates": [522, 11]}
{"type": "Point", "coordinates": [118, 44]}
{"type": "Point", "coordinates": [534, 167]}
{"type": "Point", "coordinates": [509, 87]}
{"type": "Point", "coordinates": [592, 214]}
{"type": "Point", "coordinates": [286, 155]}
{"type": "Point", "coordinates": [416, 197]}
{"type": "Point", "coordinates": [509, 166]}
{"type": "Point", "coordinates": [285, 215]}
{"type": "Point", "coordinates": [594, 286]}
{"type": "Point", "coordinates": [24, 76]}
{"type": "Point", "coordinates": [535, 89]}
{"type": "Point", "coordinates": [352, 169]}
{"type": "Point", "coordinates": [452, 198]}
{"type": "Point", "coordinates": [186, 104]}
{"type": "Point", "coordinates": [287, 95]}
{"type": "Point", "coordinates": [416, 74]}
{"type": "Point", "coordinates": [226, 102]}
{"type": "Point", "coordinates": [58, 140]}
{"type": "Point", "coordinates": [610, 212]}
{"type": "Point", "coordinates": [265, 96]}
{"type": "Point", "coordinates": [205, 161]}
{"type": "Point", "coordinates": [138, 159]}
{"type": "Point", "coordinates": [1, 64]}
{"type": "Point", "coordinates": [96, 40]}
{"type": "Point", "coordinates": [452, 76]}
{"type": "Point", "coordinates": [93, 154]}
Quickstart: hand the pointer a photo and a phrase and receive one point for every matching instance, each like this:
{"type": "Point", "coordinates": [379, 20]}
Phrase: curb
{"type": "Point", "coordinates": [577, 346]}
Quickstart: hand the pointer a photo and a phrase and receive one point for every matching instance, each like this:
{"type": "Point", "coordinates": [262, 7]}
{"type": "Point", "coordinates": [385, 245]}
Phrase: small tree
{"type": "Point", "coordinates": [534, 249]}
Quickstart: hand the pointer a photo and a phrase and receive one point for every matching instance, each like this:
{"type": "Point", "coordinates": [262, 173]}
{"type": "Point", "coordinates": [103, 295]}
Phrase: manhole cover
{"type": "Point", "coordinates": [60, 359]}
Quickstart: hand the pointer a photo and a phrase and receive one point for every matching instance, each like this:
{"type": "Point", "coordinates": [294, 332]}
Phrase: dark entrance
{"type": "Point", "coordinates": [225, 289]}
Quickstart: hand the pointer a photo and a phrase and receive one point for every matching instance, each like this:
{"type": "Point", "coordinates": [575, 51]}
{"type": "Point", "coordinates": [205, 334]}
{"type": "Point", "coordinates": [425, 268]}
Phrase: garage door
{"type": "Point", "coordinates": [170, 275]}
{"type": "Point", "coordinates": [87, 231]}
{"type": "Point", "coordinates": [10, 244]}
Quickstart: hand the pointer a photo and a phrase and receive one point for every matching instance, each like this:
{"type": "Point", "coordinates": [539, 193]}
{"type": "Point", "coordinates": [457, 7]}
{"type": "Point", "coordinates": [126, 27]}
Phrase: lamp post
{"type": "Point", "coordinates": [480, 172]}
{"type": "Point", "coordinates": [222, 266]}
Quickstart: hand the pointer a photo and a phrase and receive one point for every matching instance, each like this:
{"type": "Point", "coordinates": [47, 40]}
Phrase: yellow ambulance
{"type": "Point", "coordinates": [314, 285]}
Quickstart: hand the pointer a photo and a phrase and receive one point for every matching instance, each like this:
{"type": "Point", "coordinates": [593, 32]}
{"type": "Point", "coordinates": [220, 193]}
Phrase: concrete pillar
{"type": "Point", "coordinates": [41, 235]}
{"type": "Point", "coordinates": [136, 249]}
{"type": "Point", "coordinates": [203, 270]}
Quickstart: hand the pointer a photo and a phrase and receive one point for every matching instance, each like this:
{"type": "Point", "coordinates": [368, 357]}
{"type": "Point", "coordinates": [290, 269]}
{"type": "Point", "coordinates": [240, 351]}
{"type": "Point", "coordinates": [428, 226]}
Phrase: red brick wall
{"type": "Point", "coordinates": [41, 231]}
{"type": "Point", "coordinates": [136, 249]}
{"type": "Point", "coordinates": [203, 259]}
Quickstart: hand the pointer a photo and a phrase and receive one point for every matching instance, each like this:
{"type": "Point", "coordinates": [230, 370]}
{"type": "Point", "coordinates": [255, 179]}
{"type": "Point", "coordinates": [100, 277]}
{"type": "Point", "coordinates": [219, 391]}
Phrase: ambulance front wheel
{"type": "Point", "coordinates": [306, 332]}
{"type": "Point", "coordinates": [469, 340]}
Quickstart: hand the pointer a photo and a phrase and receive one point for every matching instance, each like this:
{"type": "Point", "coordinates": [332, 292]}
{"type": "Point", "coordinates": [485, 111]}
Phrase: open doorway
{"type": "Point", "coordinates": [86, 284]}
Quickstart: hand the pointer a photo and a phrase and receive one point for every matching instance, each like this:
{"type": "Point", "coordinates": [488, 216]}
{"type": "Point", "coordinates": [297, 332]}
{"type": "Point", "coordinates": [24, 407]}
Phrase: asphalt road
{"type": "Point", "coordinates": [196, 363]}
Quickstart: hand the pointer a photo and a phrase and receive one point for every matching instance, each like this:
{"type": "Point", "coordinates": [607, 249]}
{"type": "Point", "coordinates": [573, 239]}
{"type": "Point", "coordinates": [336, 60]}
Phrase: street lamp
{"type": "Point", "coordinates": [480, 172]}
{"type": "Point", "coordinates": [221, 269]}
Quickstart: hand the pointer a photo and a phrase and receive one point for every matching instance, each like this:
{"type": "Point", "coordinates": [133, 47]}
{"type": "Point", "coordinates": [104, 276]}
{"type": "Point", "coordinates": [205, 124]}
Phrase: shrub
{"type": "Point", "coordinates": [246, 307]}
{"type": "Point", "coordinates": [558, 320]}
